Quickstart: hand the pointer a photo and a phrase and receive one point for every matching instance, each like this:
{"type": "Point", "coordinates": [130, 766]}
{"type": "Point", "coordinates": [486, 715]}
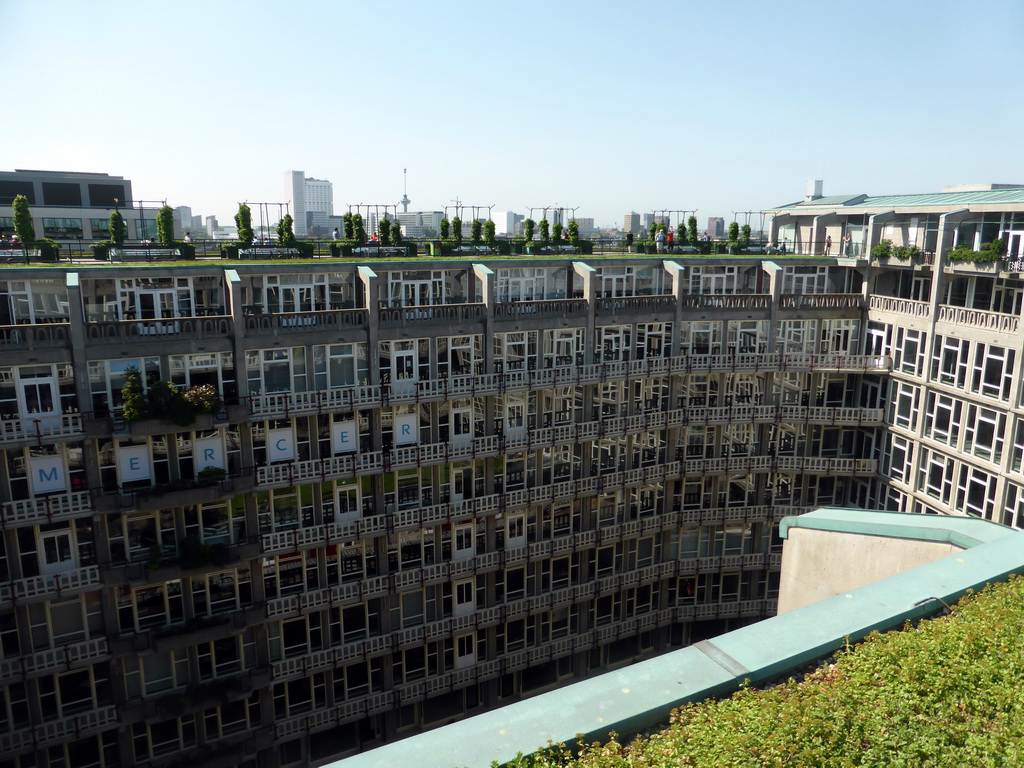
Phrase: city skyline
{"type": "Point", "coordinates": [206, 114]}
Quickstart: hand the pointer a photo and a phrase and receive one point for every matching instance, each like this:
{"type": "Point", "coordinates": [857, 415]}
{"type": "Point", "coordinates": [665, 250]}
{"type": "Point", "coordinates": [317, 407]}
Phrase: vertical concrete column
{"type": "Point", "coordinates": [875, 229]}
{"type": "Point", "coordinates": [487, 298]}
{"type": "Point", "coordinates": [774, 273]}
{"type": "Point", "coordinates": [586, 274]}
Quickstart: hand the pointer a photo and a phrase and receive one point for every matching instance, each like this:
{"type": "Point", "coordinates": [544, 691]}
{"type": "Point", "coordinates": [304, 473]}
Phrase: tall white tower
{"type": "Point", "coordinates": [405, 194]}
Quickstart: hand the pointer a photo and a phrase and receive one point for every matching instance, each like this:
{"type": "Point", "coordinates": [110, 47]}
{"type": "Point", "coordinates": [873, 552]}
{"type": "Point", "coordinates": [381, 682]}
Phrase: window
{"type": "Point", "coordinates": [908, 352]}
{"type": "Point", "coordinates": [340, 365]}
{"type": "Point", "coordinates": [983, 435]}
{"type": "Point", "coordinates": [950, 361]}
{"type": "Point", "coordinates": [463, 598]}
{"type": "Point", "coordinates": [906, 405]}
{"type": "Point", "coordinates": [993, 371]}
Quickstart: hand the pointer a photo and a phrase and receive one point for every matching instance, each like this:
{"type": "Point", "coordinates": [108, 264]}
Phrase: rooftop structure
{"type": "Point", "coordinates": [69, 205]}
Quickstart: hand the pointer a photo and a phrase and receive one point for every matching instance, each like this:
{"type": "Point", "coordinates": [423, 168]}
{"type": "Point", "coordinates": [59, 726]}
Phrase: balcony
{"type": "Point", "coordinates": [259, 324]}
{"type": "Point", "coordinates": [825, 301]}
{"type": "Point", "coordinates": [35, 336]}
{"type": "Point", "coordinates": [543, 309]}
{"type": "Point", "coordinates": [401, 317]}
{"type": "Point", "coordinates": [60, 659]}
{"type": "Point", "coordinates": [909, 307]}
{"type": "Point", "coordinates": [57, 585]}
{"type": "Point", "coordinates": [998, 322]}
{"type": "Point", "coordinates": [47, 509]}
{"type": "Point", "coordinates": [184, 328]}
{"type": "Point", "coordinates": [481, 385]}
{"type": "Point", "coordinates": [634, 304]}
{"type": "Point", "coordinates": [32, 428]}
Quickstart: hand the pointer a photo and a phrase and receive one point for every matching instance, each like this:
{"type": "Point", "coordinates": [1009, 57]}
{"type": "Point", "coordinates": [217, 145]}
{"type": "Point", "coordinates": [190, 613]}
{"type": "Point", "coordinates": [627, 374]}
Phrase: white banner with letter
{"type": "Point", "coordinates": [345, 437]}
{"type": "Point", "coordinates": [133, 463]}
{"type": "Point", "coordinates": [281, 444]}
{"type": "Point", "coordinates": [48, 474]}
{"type": "Point", "coordinates": [407, 428]}
{"type": "Point", "coordinates": [209, 452]}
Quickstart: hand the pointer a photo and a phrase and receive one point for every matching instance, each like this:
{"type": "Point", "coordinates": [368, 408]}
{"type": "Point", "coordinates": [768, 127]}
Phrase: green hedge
{"type": "Point", "coordinates": [944, 694]}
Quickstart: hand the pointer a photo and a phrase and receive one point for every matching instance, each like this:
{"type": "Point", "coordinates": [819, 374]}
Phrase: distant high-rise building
{"type": "Point", "coordinates": [416, 224]}
{"type": "Point", "coordinates": [183, 217]}
{"type": "Point", "coordinates": [716, 226]}
{"type": "Point", "coordinates": [631, 222]}
{"type": "Point", "coordinates": [587, 223]}
{"type": "Point", "coordinates": [312, 201]}
{"type": "Point", "coordinates": [506, 223]}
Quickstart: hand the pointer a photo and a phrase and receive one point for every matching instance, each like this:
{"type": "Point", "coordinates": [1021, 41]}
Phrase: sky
{"type": "Point", "coordinates": [604, 107]}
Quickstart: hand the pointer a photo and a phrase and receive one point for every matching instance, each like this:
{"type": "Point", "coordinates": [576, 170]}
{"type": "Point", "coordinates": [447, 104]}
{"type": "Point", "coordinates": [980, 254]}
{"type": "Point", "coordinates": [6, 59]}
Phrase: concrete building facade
{"type": "Point", "coordinates": [434, 488]}
{"type": "Point", "coordinates": [68, 205]}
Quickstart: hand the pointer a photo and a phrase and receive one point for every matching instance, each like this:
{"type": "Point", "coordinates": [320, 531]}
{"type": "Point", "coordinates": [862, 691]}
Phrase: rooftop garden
{"type": "Point", "coordinates": [945, 692]}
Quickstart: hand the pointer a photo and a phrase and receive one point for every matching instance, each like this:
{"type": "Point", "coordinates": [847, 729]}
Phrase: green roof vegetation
{"type": "Point", "coordinates": [946, 692]}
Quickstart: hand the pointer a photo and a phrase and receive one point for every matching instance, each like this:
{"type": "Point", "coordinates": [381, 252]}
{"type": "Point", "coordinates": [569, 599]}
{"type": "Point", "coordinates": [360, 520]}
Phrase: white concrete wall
{"type": "Point", "coordinates": [821, 564]}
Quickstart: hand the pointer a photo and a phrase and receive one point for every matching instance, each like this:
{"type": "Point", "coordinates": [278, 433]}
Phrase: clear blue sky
{"type": "Point", "coordinates": [605, 106]}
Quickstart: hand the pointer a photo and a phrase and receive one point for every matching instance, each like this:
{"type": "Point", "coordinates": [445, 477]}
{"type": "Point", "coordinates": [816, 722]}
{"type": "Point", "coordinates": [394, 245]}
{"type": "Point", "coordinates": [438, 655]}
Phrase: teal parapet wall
{"type": "Point", "coordinates": [641, 696]}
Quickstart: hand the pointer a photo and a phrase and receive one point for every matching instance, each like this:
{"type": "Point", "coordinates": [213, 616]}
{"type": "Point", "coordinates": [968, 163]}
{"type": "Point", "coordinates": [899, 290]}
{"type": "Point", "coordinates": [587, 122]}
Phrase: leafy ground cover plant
{"type": "Point", "coordinates": [946, 692]}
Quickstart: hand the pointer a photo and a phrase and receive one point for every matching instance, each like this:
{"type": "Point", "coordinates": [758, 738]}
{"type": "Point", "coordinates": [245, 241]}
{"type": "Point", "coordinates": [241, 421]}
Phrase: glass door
{"type": "Point", "coordinates": [39, 397]}
{"type": "Point", "coordinates": [56, 552]}
{"type": "Point", "coordinates": [156, 305]}
{"type": "Point", "coordinates": [403, 370]}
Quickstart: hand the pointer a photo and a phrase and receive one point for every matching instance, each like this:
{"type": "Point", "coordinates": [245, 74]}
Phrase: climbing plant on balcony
{"type": "Point", "coordinates": [446, 229]}
{"type": "Point", "coordinates": [476, 229]}
{"type": "Point", "coordinates": [691, 224]}
{"type": "Point", "coordinates": [528, 227]}
{"type": "Point", "coordinates": [457, 230]}
{"type": "Point", "coordinates": [989, 252]}
{"type": "Point", "coordinates": [544, 231]}
{"type": "Point", "coordinates": [490, 238]}
{"type": "Point", "coordinates": [165, 401]}
{"type": "Point", "coordinates": [384, 231]}
{"type": "Point", "coordinates": [883, 250]}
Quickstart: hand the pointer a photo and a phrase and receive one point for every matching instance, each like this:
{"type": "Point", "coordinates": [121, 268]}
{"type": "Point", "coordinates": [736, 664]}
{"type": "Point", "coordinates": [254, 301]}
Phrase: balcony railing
{"type": "Point", "coordinates": [821, 301]}
{"type": "Point", "coordinates": [447, 313]}
{"type": "Point", "coordinates": [38, 427]}
{"type": "Point", "coordinates": [47, 509]}
{"type": "Point", "coordinates": [977, 318]}
{"type": "Point", "coordinates": [544, 308]}
{"type": "Point", "coordinates": [900, 306]}
{"type": "Point", "coordinates": [216, 326]}
{"type": "Point", "coordinates": [637, 304]}
{"type": "Point", "coordinates": [60, 659]}
{"type": "Point", "coordinates": [323, 320]}
{"type": "Point", "coordinates": [56, 585]}
{"type": "Point", "coordinates": [480, 385]}
{"type": "Point", "coordinates": [35, 336]}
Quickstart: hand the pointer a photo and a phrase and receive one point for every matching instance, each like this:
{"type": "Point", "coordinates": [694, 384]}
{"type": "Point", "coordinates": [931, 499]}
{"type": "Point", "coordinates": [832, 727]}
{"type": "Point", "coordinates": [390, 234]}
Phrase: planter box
{"type": "Point", "coordinates": [146, 427]}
